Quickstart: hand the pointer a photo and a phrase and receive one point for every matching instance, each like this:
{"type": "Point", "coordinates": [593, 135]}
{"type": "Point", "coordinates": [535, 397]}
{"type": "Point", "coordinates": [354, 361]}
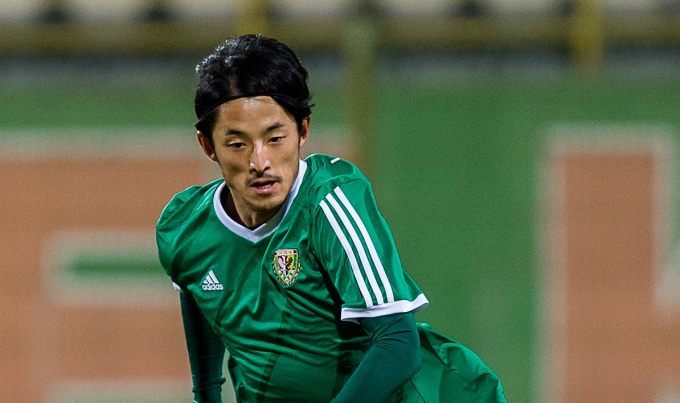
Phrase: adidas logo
{"type": "Point", "coordinates": [211, 283]}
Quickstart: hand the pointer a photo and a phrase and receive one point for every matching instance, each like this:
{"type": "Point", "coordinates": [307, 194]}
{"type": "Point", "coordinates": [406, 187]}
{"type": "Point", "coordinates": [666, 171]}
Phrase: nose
{"type": "Point", "coordinates": [259, 160]}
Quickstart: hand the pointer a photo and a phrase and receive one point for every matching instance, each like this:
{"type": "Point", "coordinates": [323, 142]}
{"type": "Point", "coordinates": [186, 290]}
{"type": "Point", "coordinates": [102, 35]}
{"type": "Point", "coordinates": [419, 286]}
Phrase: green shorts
{"type": "Point", "coordinates": [450, 372]}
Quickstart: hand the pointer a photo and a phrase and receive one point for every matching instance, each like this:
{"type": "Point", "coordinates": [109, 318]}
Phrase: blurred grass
{"type": "Point", "coordinates": [458, 180]}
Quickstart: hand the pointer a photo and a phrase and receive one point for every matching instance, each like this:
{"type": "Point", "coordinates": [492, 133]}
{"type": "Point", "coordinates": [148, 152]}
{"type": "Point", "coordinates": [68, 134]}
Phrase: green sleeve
{"type": "Point", "coordinates": [393, 358]}
{"type": "Point", "coordinates": [206, 353]}
{"type": "Point", "coordinates": [358, 251]}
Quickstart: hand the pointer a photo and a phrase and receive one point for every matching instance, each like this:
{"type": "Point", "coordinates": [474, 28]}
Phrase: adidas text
{"type": "Point", "coordinates": [211, 283]}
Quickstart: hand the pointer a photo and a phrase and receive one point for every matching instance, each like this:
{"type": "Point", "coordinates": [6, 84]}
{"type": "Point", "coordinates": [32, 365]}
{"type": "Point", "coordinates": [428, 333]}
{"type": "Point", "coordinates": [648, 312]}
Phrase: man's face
{"type": "Point", "coordinates": [257, 146]}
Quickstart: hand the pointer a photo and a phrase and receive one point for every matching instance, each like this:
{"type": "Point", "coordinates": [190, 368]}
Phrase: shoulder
{"type": "Point", "coordinates": [331, 165]}
{"type": "Point", "coordinates": [327, 172]}
{"type": "Point", "coordinates": [185, 204]}
{"type": "Point", "coordinates": [179, 217]}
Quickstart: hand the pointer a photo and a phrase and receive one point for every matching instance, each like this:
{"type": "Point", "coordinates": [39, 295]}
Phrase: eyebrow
{"type": "Point", "coordinates": [240, 133]}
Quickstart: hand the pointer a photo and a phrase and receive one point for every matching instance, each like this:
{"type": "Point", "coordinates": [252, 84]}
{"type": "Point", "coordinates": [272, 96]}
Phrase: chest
{"type": "Point", "coordinates": [249, 291]}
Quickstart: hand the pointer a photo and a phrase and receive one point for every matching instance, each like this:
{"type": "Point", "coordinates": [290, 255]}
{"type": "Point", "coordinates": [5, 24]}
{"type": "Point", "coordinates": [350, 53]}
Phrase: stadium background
{"type": "Point", "coordinates": [449, 106]}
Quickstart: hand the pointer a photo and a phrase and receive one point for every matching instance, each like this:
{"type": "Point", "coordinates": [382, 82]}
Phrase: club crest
{"type": "Point", "coordinates": [286, 266]}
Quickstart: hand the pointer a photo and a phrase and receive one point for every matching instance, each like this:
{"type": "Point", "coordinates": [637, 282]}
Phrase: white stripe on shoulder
{"type": "Point", "coordinates": [334, 160]}
{"type": "Point", "coordinates": [369, 242]}
{"type": "Point", "coordinates": [359, 247]}
{"type": "Point", "coordinates": [348, 251]}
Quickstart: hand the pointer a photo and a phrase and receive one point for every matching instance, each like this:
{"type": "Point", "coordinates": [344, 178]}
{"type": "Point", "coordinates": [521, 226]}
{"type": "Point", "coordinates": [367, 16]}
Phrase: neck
{"type": "Point", "coordinates": [250, 221]}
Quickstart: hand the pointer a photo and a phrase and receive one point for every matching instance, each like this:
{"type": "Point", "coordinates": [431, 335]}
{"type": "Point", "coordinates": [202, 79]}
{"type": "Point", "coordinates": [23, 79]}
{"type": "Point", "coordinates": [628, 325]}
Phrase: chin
{"type": "Point", "coordinates": [265, 206]}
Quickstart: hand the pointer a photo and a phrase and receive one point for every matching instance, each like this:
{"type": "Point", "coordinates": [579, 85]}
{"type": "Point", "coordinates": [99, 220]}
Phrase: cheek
{"type": "Point", "coordinates": [231, 167]}
{"type": "Point", "coordinates": [293, 153]}
{"type": "Point", "coordinates": [290, 161]}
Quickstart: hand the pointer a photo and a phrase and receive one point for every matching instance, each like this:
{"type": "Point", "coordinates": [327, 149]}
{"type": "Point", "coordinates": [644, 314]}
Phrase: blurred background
{"type": "Point", "coordinates": [523, 152]}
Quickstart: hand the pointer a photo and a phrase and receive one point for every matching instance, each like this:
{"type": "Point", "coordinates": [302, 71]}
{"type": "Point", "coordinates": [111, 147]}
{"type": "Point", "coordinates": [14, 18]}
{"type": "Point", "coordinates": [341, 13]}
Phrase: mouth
{"type": "Point", "coordinates": [263, 186]}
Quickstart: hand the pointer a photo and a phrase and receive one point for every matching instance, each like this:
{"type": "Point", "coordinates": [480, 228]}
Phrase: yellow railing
{"type": "Point", "coordinates": [586, 32]}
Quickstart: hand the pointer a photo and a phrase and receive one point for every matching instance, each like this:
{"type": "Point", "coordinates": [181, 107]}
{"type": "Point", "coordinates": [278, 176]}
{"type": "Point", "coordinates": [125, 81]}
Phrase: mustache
{"type": "Point", "coordinates": [264, 177]}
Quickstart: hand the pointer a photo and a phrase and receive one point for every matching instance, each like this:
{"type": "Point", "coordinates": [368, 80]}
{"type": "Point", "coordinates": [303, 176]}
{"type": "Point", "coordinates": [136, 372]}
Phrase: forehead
{"type": "Point", "coordinates": [251, 113]}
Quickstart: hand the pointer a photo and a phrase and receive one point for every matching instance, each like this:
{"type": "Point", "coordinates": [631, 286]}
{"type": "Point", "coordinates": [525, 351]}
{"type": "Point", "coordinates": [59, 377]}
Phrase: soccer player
{"type": "Point", "coordinates": [288, 264]}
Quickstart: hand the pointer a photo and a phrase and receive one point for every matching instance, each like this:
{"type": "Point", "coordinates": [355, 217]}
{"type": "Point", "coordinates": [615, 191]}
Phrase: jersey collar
{"type": "Point", "coordinates": [267, 228]}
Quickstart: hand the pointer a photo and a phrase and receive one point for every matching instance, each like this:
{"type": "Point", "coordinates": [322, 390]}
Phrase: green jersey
{"type": "Point", "coordinates": [283, 296]}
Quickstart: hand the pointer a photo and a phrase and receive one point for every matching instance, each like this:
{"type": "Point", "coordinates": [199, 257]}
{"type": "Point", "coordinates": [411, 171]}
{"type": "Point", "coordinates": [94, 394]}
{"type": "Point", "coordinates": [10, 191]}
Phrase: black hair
{"type": "Point", "coordinates": [250, 65]}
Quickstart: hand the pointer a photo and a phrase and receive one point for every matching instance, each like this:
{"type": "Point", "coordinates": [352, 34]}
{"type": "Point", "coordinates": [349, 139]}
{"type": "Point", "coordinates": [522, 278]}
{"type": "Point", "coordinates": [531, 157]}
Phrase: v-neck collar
{"type": "Point", "coordinates": [268, 227]}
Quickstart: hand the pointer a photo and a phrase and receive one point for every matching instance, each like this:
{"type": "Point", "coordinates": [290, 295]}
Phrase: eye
{"type": "Point", "coordinates": [276, 139]}
{"type": "Point", "coordinates": [236, 145]}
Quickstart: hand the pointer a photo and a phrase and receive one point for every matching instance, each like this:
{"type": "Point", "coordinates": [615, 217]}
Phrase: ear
{"type": "Point", "coordinates": [206, 144]}
{"type": "Point", "coordinates": [304, 129]}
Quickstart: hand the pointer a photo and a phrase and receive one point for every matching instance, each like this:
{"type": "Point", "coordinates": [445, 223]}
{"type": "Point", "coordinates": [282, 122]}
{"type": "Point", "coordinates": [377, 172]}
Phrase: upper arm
{"type": "Point", "coordinates": [356, 247]}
